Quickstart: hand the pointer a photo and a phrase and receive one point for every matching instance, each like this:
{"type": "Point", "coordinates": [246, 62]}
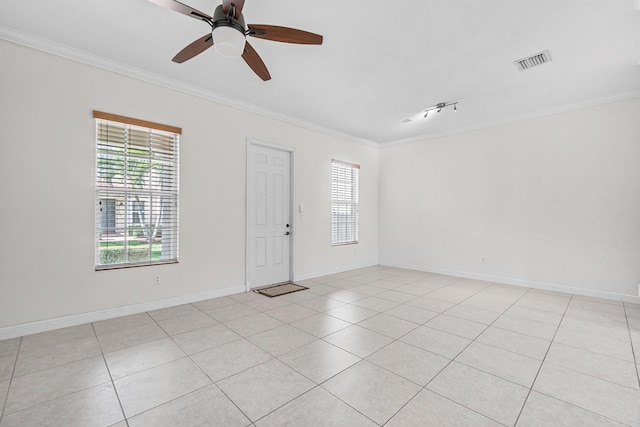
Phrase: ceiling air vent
{"type": "Point", "coordinates": [533, 60]}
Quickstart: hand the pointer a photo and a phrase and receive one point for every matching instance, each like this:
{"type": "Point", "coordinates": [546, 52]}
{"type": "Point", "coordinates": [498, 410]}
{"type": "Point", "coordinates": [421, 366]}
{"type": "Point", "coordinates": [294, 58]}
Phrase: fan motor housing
{"type": "Point", "coordinates": [222, 19]}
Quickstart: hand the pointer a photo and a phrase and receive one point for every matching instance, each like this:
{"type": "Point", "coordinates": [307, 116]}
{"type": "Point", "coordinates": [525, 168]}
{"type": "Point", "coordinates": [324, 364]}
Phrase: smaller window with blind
{"type": "Point", "coordinates": [136, 192]}
{"type": "Point", "coordinates": [344, 202]}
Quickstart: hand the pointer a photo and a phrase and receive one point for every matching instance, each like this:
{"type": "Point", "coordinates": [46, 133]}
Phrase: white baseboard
{"type": "Point", "coordinates": [80, 319]}
{"type": "Point", "coordinates": [315, 274]}
{"type": "Point", "coordinates": [523, 283]}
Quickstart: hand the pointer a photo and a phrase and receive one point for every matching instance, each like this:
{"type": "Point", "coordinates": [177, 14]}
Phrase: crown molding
{"type": "Point", "coordinates": [77, 55]}
{"type": "Point", "coordinates": [47, 46]}
{"type": "Point", "coordinates": [514, 119]}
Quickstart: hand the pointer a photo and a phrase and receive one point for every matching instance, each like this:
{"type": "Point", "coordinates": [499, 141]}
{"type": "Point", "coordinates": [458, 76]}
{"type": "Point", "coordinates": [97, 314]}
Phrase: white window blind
{"type": "Point", "coordinates": [136, 192]}
{"type": "Point", "coordinates": [344, 202]}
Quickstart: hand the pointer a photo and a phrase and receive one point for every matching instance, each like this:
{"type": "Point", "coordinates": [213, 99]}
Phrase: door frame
{"type": "Point", "coordinates": [292, 203]}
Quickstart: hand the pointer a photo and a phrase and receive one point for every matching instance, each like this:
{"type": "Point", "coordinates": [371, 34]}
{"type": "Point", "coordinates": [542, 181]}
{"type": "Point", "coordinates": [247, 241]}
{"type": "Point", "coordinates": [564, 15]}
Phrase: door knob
{"type": "Point", "coordinates": [287, 233]}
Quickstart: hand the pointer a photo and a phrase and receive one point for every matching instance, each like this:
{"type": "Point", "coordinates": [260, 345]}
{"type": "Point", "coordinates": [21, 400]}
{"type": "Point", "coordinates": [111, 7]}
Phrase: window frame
{"type": "Point", "coordinates": [158, 186]}
{"type": "Point", "coordinates": [345, 196]}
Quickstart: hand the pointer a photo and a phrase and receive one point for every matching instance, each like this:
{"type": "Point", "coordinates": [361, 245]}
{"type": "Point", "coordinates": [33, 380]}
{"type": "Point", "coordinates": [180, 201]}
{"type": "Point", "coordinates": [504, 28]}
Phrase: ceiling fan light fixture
{"type": "Point", "coordinates": [229, 31]}
{"type": "Point", "coordinates": [229, 41]}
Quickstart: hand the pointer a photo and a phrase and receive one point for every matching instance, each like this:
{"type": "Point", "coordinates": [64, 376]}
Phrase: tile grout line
{"type": "Point", "coordinates": [273, 357]}
{"type": "Point", "coordinates": [53, 399]}
{"type": "Point", "coordinates": [213, 383]}
{"type": "Point", "coordinates": [113, 385]}
{"type": "Point", "coordinates": [463, 406]}
{"type": "Point", "coordinates": [633, 352]}
{"type": "Point", "coordinates": [348, 367]}
{"type": "Point", "coordinates": [543, 360]}
{"type": "Point", "coordinates": [315, 340]}
{"type": "Point", "coordinates": [394, 340]}
{"type": "Point", "coordinates": [6, 399]}
{"type": "Point", "coordinates": [585, 409]}
{"type": "Point", "coordinates": [397, 339]}
{"type": "Point", "coordinates": [471, 342]}
{"type": "Point", "coordinates": [589, 374]}
{"type": "Point", "coordinates": [452, 360]}
{"type": "Point", "coordinates": [467, 346]}
{"type": "Point", "coordinates": [185, 356]}
{"type": "Point", "coordinates": [358, 411]}
{"type": "Point", "coordinates": [384, 346]}
{"type": "Point", "coordinates": [70, 341]}
{"type": "Point", "coordinates": [316, 386]}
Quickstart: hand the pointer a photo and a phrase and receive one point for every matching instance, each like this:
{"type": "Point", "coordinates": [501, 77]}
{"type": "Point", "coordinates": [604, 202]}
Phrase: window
{"type": "Point", "coordinates": [136, 192]}
{"type": "Point", "coordinates": [138, 210]}
{"type": "Point", "coordinates": [108, 215]}
{"type": "Point", "coordinates": [344, 202]}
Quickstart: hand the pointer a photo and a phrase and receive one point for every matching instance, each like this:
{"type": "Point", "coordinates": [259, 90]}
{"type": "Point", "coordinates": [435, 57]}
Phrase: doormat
{"type": "Point", "coordinates": [283, 289]}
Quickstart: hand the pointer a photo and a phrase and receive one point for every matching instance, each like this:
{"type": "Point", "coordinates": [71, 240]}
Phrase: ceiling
{"type": "Point", "coordinates": [381, 62]}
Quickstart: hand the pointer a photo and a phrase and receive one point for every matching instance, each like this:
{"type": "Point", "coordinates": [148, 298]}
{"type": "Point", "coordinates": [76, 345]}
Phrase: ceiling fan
{"type": "Point", "coordinates": [229, 32]}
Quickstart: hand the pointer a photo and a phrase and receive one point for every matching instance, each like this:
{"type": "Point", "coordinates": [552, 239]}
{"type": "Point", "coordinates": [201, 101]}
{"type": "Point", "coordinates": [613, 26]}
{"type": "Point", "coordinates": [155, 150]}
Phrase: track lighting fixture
{"type": "Point", "coordinates": [439, 106]}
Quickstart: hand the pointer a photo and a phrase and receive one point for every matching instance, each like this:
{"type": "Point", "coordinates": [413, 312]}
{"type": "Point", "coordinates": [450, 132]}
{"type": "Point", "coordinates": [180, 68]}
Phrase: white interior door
{"type": "Point", "coordinates": [268, 215]}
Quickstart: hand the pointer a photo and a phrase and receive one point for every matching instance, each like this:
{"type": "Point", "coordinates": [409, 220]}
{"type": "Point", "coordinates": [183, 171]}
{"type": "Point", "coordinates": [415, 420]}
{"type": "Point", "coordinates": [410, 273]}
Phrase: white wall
{"type": "Point", "coordinates": [47, 192]}
{"type": "Point", "coordinates": [553, 200]}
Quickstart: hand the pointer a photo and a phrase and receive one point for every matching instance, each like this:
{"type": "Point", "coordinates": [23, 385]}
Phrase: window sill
{"type": "Point", "coordinates": [344, 244]}
{"type": "Point", "coordinates": [121, 266]}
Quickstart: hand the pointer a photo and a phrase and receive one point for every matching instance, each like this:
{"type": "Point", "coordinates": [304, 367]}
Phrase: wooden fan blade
{"type": "Point", "coordinates": [193, 49]}
{"type": "Point", "coordinates": [254, 61]}
{"type": "Point", "coordinates": [283, 34]}
{"type": "Point", "coordinates": [183, 8]}
{"type": "Point", "coordinates": [226, 4]}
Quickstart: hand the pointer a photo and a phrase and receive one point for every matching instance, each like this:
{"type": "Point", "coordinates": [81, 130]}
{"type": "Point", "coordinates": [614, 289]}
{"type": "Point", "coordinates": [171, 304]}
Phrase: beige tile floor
{"type": "Point", "coordinates": [377, 346]}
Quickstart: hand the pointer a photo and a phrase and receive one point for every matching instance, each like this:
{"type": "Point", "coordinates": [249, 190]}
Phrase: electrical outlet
{"type": "Point", "coordinates": [156, 279]}
{"type": "Point", "coordinates": [484, 260]}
